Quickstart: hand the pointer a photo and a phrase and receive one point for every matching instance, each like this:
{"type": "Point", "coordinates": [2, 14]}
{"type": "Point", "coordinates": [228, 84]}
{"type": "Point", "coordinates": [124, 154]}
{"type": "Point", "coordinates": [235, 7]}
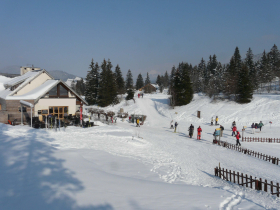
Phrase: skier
{"type": "Point", "coordinates": [199, 130]}
{"type": "Point", "coordinates": [233, 124]}
{"type": "Point", "coordinates": [217, 120]}
{"type": "Point", "coordinates": [222, 130]}
{"type": "Point", "coordinates": [234, 129]}
{"type": "Point", "coordinates": [260, 125]}
{"type": "Point", "coordinates": [171, 124]}
{"type": "Point", "coordinates": [138, 95]}
{"type": "Point", "coordinates": [137, 122]}
{"type": "Point", "coordinates": [253, 128]}
{"type": "Point", "coordinates": [237, 138]}
{"type": "Point", "coordinates": [212, 121]}
{"type": "Point", "coordinates": [191, 128]}
{"type": "Point", "coordinates": [176, 124]}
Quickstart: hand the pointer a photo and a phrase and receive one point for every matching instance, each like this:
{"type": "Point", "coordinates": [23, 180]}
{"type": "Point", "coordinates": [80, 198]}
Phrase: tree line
{"type": "Point", "coordinates": [103, 85]}
{"type": "Point", "coordinates": [236, 80]}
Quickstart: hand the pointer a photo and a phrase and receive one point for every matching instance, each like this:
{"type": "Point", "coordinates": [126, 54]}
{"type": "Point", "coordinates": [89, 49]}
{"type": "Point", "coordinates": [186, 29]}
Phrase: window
{"type": "Point", "coordinates": [53, 91]}
{"type": "Point", "coordinates": [63, 91]}
{"type": "Point", "coordinates": [58, 111]}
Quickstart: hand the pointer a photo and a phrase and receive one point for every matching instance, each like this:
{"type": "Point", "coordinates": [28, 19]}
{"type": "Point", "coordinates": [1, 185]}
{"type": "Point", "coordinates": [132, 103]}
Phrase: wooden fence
{"type": "Point", "coordinates": [268, 140]}
{"type": "Point", "coordinates": [246, 181]}
{"type": "Point", "coordinates": [245, 151]}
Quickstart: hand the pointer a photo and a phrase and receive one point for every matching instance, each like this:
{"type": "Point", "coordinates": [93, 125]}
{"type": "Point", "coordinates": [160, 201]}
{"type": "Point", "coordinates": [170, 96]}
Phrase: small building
{"type": "Point", "coordinates": [38, 87]}
{"type": "Point", "coordinates": [149, 88]}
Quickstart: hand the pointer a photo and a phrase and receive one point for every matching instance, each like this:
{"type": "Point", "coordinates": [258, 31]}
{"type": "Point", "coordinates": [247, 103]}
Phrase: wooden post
{"type": "Point", "coordinates": [233, 176]}
{"type": "Point", "coordinates": [246, 180]}
{"type": "Point", "coordinates": [230, 175]}
{"type": "Point", "coordinates": [242, 179]}
{"type": "Point", "coordinates": [256, 184]}
{"type": "Point", "coordinates": [265, 185]}
{"type": "Point", "coordinates": [198, 114]}
{"type": "Point", "coordinates": [238, 177]}
{"type": "Point", "coordinates": [271, 187]}
{"type": "Point", "coordinates": [277, 189]}
{"type": "Point", "coordinates": [260, 184]}
{"type": "Point", "coordinates": [251, 182]}
{"type": "Point", "coordinates": [226, 174]}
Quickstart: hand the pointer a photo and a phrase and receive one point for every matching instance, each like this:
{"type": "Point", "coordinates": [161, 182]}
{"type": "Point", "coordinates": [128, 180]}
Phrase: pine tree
{"type": "Point", "coordinates": [274, 55]}
{"type": "Point", "coordinates": [245, 89]}
{"type": "Point", "coordinates": [158, 81]}
{"type": "Point", "coordinates": [108, 86]}
{"type": "Point", "coordinates": [139, 82]}
{"type": "Point", "coordinates": [202, 75]}
{"type": "Point", "coordinates": [147, 80]}
{"type": "Point", "coordinates": [165, 81]}
{"type": "Point", "coordinates": [92, 83]}
{"type": "Point", "coordinates": [129, 80]}
{"type": "Point", "coordinates": [119, 80]}
{"type": "Point", "coordinates": [130, 94]}
{"type": "Point", "coordinates": [249, 62]}
{"type": "Point", "coordinates": [182, 92]}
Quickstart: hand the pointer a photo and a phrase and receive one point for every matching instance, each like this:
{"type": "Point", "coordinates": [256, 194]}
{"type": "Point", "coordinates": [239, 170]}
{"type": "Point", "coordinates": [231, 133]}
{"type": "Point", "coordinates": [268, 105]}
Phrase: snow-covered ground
{"type": "Point", "coordinates": [123, 167]}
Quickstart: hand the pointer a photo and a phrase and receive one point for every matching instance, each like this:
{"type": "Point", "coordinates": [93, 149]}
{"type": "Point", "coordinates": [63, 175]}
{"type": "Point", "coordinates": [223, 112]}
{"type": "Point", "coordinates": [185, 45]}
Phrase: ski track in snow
{"type": "Point", "coordinates": [232, 201]}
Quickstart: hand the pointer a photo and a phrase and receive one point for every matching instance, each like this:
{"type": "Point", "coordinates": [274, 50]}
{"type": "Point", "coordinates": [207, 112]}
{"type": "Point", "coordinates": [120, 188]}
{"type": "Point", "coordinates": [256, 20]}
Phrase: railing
{"type": "Point", "coordinates": [268, 158]}
{"type": "Point", "coordinates": [268, 140]}
{"type": "Point", "coordinates": [246, 181]}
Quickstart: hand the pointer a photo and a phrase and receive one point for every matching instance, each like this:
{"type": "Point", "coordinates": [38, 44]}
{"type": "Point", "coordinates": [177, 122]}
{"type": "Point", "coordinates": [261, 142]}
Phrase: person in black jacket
{"type": "Point", "coordinates": [222, 130]}
{"type": "Point", "coordinates": [191, 128]}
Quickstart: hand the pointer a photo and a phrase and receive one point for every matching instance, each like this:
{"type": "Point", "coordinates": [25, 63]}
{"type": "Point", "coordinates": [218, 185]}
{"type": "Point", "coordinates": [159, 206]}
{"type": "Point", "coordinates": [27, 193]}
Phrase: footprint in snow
{"type": "Point", "coordinates": [232, 201]}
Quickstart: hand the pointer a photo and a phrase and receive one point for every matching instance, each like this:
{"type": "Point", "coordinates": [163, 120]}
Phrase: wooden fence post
{"type": "Point", "coordinates": [277, 189]}
{"type": "Point", "coordinates": [271, 187]}
{"type": "Point", "coordinates": [265, 185]}
{"type": "Point", "coordinates": [233, 176]}
{"type": "Point", "coordinates": [256, 184]}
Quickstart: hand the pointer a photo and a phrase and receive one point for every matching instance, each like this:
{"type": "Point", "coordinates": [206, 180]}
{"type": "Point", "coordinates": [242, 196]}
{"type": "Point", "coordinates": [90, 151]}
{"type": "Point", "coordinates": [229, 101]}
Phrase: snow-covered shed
{"type": "Point", "coordinates": [38, 87]}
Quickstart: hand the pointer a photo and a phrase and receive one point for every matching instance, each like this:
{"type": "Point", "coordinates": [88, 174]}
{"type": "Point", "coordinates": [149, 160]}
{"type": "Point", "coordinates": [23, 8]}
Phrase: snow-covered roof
{"type": "Point", "coordinates": [3, 80]}
{"type": "Point", "coordinates": [35, 93]}
{"type": "Point", "coordinates": [29, 75]}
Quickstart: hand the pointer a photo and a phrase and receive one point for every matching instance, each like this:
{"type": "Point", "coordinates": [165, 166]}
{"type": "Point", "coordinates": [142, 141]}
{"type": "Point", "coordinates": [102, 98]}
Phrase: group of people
{"type": "Point", "coordinates": [235, 133]}
{"type": "Point", "coordinates": [216, 120]}
{"type": "Point", "coordinates": [191, 130]}
{"type": "Point", "coordinates": [140, 94]}
{"type": "Point", "coordinates": [256, 125]}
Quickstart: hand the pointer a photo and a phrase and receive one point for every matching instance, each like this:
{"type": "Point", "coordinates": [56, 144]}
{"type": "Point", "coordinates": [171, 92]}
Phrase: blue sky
{"type": "Point", "coordinates": [143, 36]}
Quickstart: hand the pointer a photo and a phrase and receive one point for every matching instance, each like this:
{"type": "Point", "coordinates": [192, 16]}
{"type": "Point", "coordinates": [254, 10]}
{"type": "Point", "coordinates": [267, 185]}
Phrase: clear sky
{"type": "Point", "coordinates": [144, 36]}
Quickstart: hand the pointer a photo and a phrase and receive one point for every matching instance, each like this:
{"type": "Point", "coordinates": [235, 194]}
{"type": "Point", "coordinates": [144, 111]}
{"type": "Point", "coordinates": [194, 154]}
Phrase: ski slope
{"type": "Point", "coordinates": [121, 166]}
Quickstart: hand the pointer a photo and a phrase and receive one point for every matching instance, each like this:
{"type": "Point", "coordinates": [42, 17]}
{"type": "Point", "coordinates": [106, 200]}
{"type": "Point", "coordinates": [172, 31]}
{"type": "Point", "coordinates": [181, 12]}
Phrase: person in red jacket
{"type": "Point", "coordinates": [199, 130]}
{"type": "Point", "coordinates": [234, 129]}
{"type": "Point", "coordinates": [237, 138]}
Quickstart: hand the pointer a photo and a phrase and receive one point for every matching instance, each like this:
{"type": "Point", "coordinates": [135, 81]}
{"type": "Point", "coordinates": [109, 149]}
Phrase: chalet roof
{"type": "Point", "coordinates": [35, 93]}
{"type": "Point", "coordinates": [17, 80]}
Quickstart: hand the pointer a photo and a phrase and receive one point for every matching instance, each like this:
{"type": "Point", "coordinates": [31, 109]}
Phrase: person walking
{"type": "Point", "coordinates": [222, 130]}
{"type": "Point", "coordinates": [253, 128]}
{"type": "Point", "coordinates": [212, 121]}
{"type": "Point", "coordinates": [176, 124]}
{"type": "Point", "coordinates": [199, 130]}
{"type": "Point", "coordinates": [216, 120]}
{"type": "Point", "coordinates": [260, 125]}
{"type": "Point", "coordinates": [234, 129]}
{"type": "Point", "coordinates": [237, 138]}
{"type": "Point", "coordinates": [191, 128]}
{"type": "Point", "coordinates": [171, 124]}
{"type": "Point", "coordinates": [137, 122]}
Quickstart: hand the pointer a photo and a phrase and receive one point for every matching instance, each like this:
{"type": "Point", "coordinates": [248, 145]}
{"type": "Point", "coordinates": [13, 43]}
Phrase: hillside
{"type": "Point", "coordinates": [121, 166]}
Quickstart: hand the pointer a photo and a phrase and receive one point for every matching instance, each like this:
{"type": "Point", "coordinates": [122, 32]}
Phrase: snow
{"type": "Point", "coordinates": [29, 75]}
{"type": "Point", "coordinates": [3, 80]}
{"type": "Point", "coordinates": [120, 166]}
{"type": "Point", "coordinates": [35, 93]}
